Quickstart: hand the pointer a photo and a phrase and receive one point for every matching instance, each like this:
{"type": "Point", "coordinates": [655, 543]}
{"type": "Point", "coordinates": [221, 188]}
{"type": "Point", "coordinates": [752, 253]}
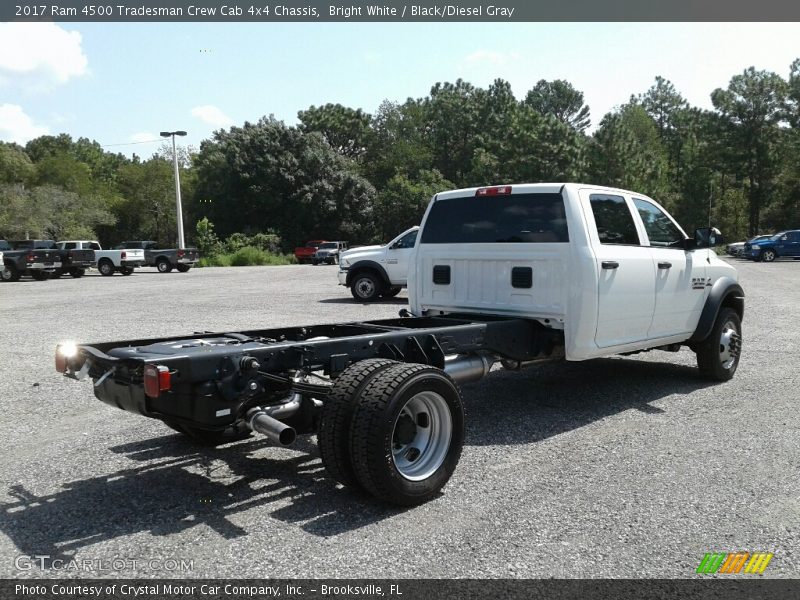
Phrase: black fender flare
{"type": "Point", "coordinates": [370, 265]}
{"type": "Point", "coordinates": [724, 292]}
{"type": "Point", "coordinates": [165, 257]}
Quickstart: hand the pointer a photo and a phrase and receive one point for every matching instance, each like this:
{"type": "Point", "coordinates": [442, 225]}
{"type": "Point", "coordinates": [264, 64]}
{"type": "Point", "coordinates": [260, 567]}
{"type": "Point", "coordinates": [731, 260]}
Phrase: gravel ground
{"type": "Point", "coordinates": [629, 467]}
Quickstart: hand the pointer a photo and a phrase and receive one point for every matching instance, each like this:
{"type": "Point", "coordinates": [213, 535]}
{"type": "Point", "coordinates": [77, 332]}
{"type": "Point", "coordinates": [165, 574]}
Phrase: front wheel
{"type": "Point", "coordinates": [183, 268]}
{"type": "Point", "coordinates": [163, 266]}
{"type": "Point", "coordinates": [366, 287]}
{"type": "Point", "coordinates": [407, 433]}
{"type": "Point", "coordinates": [768, 255]}
{"type": "Point", "coordinates": [77, 273]}
{"type": "Point", "coordinates": [718, 355]}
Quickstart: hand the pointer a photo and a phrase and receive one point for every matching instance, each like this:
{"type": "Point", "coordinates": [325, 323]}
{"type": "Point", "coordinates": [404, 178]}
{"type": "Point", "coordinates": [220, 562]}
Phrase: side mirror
{"type": "Point", "coordinates": [707, 237]}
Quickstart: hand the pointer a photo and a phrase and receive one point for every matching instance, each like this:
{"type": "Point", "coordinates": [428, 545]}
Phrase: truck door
{"type": "Point", "coordinates": [789, 244]}
{"type": "Point", "coordinates": [397, 257]}
{"type": "Point", "coordinates": [681, 284]}
{"type": "Point", "coordinates": [627, 277]}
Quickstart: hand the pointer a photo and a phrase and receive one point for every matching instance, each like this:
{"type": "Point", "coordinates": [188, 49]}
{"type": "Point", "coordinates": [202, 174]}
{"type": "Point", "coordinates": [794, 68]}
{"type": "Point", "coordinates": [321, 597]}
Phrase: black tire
{"type": "Point", "coordinates": [77, 273]}
{"type": "Point", "coordinates": [40, 275]}
{"type": "Point", "coordinates": [163, 266]}
{"type": "Point", "coordinates": [718, 355]}
{"type": "Point", "coordinates": [204, 437]}
{"type": "Point", "coordinates": [56, 274]}
{"type": "Point", "coordinates": [333, 437]}
{"type": "Point", "coordinates": [366, 286]}
{"type": "Point", "coordinates": [106, 267]}
{"type": "Point", "coordinates": [392, 292]}
{"type": "Point", "coordinates": [768, 255]}
{"type": "Point", "coordinates": [378, 431]}
{"type": "Point", "coordinates": [315, 262]}
{"type": "Point", "coordinates": [183, 268]}
{"type": "Point", "coordinates": [9, 273]}
{"type": "Point", "coordinates": [126, 270]}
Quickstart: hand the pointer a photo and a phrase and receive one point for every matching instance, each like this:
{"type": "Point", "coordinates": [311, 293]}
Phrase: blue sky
{"type": "Point", "coordinates": [119, 83]}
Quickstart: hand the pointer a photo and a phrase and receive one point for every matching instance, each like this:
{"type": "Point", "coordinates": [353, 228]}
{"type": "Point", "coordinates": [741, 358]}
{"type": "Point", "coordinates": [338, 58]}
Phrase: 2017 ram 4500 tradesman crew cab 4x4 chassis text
{"type": "Point", "coordinates": [516, 274]}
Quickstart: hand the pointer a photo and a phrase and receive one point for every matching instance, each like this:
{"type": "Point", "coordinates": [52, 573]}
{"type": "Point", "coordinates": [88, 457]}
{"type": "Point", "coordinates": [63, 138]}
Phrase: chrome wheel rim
{"type": "Point", "coordinates": [105, 268]}
{"type": "Point", "coordinates": [421, 436]}
{"type": "Point", "coordinates": [769, 256]}
{"type": "Point", "coordinates": [365, 288]}
{"type": "Point", "coordinates": [730, 345]}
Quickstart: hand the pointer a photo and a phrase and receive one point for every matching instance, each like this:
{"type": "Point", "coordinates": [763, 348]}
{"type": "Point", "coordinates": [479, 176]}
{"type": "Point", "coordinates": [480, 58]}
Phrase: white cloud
{"type": "Point", "coordinates": [144, 136]}
{"type": "Point", "coordinates": [212, 115]}
{"type": "Point", "coordinates": [40, 54]}
{"type": "Point", "coordinates": [16, 126]}
{"type": "Point", "coordinates": [491, 57]}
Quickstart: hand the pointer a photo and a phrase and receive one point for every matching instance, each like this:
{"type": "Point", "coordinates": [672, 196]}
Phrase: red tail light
{"type": "Point", "coordinates": [31, 258]}
{"type": "Point", "coordinates": [157, 379]}
{"type": "Point", "coordinates": [181, 253]}
{"type": "Point", "coordinates": [122, 255]}
{"type": "Point", "coordinates": [501, 190]}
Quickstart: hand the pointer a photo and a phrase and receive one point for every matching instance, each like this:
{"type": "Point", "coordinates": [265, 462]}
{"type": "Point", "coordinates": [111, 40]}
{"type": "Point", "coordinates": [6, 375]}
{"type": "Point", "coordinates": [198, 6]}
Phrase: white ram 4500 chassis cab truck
{"type": "Point", "coordinates": [515, 274]}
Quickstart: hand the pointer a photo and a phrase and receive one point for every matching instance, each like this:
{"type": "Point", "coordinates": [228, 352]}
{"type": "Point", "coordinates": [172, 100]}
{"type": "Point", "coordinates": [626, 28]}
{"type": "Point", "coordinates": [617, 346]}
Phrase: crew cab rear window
{"type": "Point", "coordinates": [613, 220]}
{"type": "Point", "coordinates": [516, 218]}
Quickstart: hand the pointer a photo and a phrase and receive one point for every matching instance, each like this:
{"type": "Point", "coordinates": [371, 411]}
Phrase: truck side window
{"type": "Point", "coordinates": [407, 241]}
{"type": "Point", "coordinates": [70, 245]}
{"type": "Point", "coordinates": [659, 227]}
{"type": "Point", "coordinates": [613, 220]}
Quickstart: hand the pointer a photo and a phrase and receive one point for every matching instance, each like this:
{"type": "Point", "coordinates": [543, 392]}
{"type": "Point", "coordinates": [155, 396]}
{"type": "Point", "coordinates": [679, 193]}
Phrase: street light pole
{"type": "Point", "coordinates": [179, 219]}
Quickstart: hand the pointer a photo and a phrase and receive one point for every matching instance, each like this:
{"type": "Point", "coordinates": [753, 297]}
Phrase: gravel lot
{"type": "Point", "coordinates": [629, 467]}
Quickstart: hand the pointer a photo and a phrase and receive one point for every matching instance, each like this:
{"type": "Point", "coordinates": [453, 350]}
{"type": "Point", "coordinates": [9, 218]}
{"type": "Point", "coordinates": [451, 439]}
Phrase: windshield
{"type": "Point", "coordinates": [329, 245]}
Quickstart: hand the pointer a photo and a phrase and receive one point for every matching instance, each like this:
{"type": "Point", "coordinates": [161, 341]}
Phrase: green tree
{"type": "Point", "coordinates": [753, 106]}
{"type": "Point", "coordinates": [15, 165]}
{"type": "Point", "coordinates": [402, 203]}
{"type": "Point", "coordinates": [561, 100]}
{"type": "Point", "coordinates": [347, 130]}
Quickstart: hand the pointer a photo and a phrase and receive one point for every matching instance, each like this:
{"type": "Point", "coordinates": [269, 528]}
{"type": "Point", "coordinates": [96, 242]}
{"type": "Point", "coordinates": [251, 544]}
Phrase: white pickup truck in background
{"type": "Point", "coordinates": [372, 272]}
{"type": "Point", "coordinates": [108, 261]}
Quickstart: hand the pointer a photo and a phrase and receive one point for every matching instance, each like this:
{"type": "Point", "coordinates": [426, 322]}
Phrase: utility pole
{"type": "Point", "coordinates": [179, 219]}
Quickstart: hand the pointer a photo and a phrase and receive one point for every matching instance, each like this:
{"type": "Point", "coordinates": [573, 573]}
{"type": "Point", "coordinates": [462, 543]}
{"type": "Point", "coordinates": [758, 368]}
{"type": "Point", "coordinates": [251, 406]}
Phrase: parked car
{"type": "Point", "coordinates": [24, 258]}
{"type": "Point", "coordinates": [737, 248]}
{"type": "Point", "coordinates": [74, 260]}
{"type": "Point", "coordinates": [783, 244]}
{"type": "Point", "coordinates": [305, 254]}
{"type": "Point", "coordinates": [372, 272]}
{"type": "Point", "coordinates": [328, 253]}
{"type": "Point", "coordinates": [164, 259]}
{"type": "Point", "coordinates": [108, 261]}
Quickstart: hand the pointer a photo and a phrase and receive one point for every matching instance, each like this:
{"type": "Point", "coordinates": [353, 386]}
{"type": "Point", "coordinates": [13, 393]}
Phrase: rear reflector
{"type": "Point", "coordinates": [156, 380]}
{"type": "Point", "coordinates": [122, 255]}
{"type": "Point", "coordinates": [501, 190]}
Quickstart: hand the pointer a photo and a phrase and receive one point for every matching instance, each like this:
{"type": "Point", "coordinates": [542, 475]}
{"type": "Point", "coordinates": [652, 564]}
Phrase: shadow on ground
{"type": "Point", "coordinates": [173, 485]}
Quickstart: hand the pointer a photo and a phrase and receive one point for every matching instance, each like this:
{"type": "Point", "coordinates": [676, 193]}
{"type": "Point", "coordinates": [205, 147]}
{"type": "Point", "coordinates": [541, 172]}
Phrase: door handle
{"type": "Point", "coordinates": [610, 264]}
{"type": "Point", "coordinates": [665, 265]}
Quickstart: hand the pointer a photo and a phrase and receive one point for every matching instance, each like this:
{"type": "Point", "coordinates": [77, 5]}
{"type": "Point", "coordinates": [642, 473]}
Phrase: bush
{"type": "Point", "coordinates": [248, 256]}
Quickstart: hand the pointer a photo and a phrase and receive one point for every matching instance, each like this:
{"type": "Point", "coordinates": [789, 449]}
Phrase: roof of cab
{"type": "Point", "coordinates": [521, 188]}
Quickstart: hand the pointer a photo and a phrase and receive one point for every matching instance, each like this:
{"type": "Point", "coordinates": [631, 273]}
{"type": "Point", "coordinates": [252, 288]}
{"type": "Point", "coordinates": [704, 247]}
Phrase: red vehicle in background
{"type": "Point", "coordinates": [305, 254]}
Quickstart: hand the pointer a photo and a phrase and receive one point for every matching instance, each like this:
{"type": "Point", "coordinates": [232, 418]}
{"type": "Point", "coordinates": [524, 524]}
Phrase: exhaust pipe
{"type": "Point", "coordinates": [259, 421]}
{"type": "Point", "coordinates": [468, 367]}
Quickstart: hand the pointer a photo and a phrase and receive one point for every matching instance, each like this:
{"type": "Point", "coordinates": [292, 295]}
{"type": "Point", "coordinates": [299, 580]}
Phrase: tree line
{"type": "Point", "coordinates": [341, 173]}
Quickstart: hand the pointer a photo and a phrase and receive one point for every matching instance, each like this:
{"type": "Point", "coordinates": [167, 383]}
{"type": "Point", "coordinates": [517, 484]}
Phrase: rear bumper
{"type": "Point", "coordinates": [43, 266]}
{"type": "Point", "coordinates": [131, 263]}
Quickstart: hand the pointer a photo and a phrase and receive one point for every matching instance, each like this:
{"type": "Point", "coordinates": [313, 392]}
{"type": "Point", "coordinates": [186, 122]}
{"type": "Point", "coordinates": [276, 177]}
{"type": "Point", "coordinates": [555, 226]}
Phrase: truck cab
{"type": "Point", "coordinates": [609, 267]}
